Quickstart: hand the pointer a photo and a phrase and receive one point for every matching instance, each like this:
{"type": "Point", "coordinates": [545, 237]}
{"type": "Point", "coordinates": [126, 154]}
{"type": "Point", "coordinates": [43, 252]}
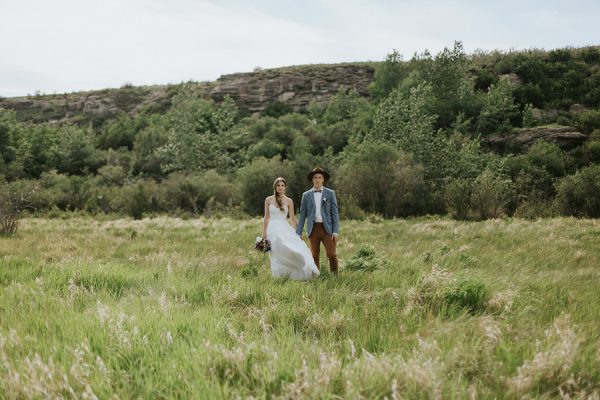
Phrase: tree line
{"type": "Point", "coordinates": [415, 146]}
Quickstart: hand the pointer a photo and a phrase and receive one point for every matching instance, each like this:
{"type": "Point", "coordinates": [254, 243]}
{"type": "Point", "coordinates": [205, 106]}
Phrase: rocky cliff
{"type": "Point", "coordinates": [296, 86]}
{"type": "Point", "coordinates": [565, 137]}
{"type": "Point", "coordinates": [254, 91]}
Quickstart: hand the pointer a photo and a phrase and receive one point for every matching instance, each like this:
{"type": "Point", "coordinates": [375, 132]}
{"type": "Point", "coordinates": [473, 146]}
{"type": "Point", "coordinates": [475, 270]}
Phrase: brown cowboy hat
{"type": "Point", "coordinates": [318, 171]}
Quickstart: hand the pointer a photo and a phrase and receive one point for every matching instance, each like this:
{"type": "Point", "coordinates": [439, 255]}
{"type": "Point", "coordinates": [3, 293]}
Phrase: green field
{"type": "Point", "coordinates": [170, 308]}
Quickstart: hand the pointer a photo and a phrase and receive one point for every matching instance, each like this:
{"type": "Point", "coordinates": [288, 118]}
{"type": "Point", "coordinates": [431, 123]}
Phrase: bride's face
{"type": "Point", "coordinates": [280, 187]}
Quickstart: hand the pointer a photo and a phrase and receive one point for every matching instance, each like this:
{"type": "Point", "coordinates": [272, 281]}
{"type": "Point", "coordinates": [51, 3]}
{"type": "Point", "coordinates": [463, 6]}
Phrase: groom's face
{"type": "Point", "coordinates": [318, 180]}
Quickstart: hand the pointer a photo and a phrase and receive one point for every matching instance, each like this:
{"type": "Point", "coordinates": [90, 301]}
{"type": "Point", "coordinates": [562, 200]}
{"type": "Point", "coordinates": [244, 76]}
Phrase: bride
{"type": "Point", "coordinates": [290, 257]}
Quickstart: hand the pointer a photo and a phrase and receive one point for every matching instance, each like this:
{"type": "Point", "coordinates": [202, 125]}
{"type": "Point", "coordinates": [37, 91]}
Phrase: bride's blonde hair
{"type": "Point", "coordinates": [277, 197]}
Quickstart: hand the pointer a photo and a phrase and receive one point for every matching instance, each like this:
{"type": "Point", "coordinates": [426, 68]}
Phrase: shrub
{"type": "Point", "coordinates": [549, 156]}
{"type": "Point", "coordinates": [591, 149]}
{"type": "Point", "coordinates": [528, 117]}
{"type": "Point", "coordinates": [383, 180]}
{"type": "Point", "coordinates": [277, 109]}
{"type": "Point", "coordinates": [111, 175]}
{"type": "Point", "coordinates": [365, 260]}
{"type": "Point", "coordinates": [535, 207]}
{"type": "Point", "coordinates": [457, 197]}
{"type": "Point", "coordinates": [349, 208]}
{"type": "Point", "coordinates": [587, 121]}
{"type": "Point", "coordinates": [62, 191]}
{"type": "Point", "coordinates": [441, 291]}
{"type": "Point", "coordinates": [249, 271]}
{"type": "Point", "coordinates": [579, 194]}
{"type": "Point", "coordinates": [388, 75]}
{"type": "Point", "coordinates": [10, 210]}
{"type": "Point", "coordinates": [498, 108]}
{"type": "Point", "coordinates": [533, 181]}
{"type": "Point", "coordinates": [136, 198]}
{"type": "Point", "coordinates": [467, 294]}
{"type": "Point", "coordinates": [256, 182]}
{"type": "Point", "coordinates": [490, 194]}
{"type": "Point", "coordinates": [185, 192]}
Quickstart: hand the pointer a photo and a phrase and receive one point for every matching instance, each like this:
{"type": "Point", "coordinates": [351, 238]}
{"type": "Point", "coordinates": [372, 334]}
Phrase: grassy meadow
{"type": "Point", "coordinates": [170, 308]}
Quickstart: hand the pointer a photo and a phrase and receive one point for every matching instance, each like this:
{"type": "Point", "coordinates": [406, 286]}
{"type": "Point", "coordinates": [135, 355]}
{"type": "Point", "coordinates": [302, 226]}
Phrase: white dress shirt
{"type": "Point", "coordinates": [318, 198]}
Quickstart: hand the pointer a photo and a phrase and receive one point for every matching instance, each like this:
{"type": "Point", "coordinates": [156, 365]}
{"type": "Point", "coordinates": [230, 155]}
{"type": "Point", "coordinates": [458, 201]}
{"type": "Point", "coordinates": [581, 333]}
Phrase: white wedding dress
{"type": "Point", "coordinates": [290, 257]}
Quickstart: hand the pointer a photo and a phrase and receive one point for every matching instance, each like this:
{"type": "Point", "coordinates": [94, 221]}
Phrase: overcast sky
{"type": "Point", "coordinates": [57, 46]}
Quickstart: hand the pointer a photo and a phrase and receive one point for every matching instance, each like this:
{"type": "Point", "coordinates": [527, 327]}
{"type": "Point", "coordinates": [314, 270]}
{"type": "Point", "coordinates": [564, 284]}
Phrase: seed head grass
{"type": "Point", "coordinates": [422, 308]}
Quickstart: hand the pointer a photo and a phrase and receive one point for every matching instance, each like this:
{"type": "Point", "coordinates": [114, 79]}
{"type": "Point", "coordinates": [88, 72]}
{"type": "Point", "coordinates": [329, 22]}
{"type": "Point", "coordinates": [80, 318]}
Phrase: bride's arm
{"type": "Point", "coordinates": [266, 219]}
{"type": "Point", "coordinates": [292, 215]}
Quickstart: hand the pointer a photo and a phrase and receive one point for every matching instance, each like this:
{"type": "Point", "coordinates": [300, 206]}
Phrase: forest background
{"type": "Point", "coordinates": [424, 140]}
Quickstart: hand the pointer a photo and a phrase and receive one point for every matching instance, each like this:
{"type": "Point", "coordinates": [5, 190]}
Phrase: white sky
{"type": "Point", "coordinates": [56, 46]}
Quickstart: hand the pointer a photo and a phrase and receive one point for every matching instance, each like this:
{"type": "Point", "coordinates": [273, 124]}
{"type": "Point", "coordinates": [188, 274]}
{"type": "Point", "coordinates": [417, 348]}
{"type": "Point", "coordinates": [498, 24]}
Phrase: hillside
{"type": "Point", "coordinates": [473, 135]}
{"type": "Point", "coordinates": [295, 86]}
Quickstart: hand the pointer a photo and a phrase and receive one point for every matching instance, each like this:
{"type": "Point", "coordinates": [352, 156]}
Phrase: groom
{"type": "Point", "coordinates": [320, 211]}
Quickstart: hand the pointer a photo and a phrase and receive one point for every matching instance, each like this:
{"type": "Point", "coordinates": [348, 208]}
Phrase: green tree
{"type": "Point", "coordinates": [148, 156]}
{"type": "Point", "coordinates": [452, 83]}
{"type": "Point", "coordinates": [346, 104]}
{"type": "Point", "coordinates": [548, 156]}
{"type": "Point", "coordinates": [404, 120]}
{"type": "Point", "coordinates": [388, 75]}
{"type": "Point", "coordinates": [383, 179]}
{"type": "Point", "coordinates": [34, 151]}
{"type": "Point", "coordinates": [199, 135]}
{"type": "Point", "coordinates": [256, 179]}
{"type": "Point", "coordinates": [579, 194]}
{"type": "Point", "coordinates": [10, 131]}
{"type": "Point", "coordinates": [490, 194]}
{"type": "Point", "coordinates": [117, 133]}
{"type": "Point", "coordinates": [498, 108]}
{"type": "Point", "coordinates": [74, 152]}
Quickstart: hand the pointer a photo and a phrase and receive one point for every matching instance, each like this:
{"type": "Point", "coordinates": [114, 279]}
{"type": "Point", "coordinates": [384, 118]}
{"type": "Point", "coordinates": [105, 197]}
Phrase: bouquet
{"type": "Point", "coordinates": [262, 245]}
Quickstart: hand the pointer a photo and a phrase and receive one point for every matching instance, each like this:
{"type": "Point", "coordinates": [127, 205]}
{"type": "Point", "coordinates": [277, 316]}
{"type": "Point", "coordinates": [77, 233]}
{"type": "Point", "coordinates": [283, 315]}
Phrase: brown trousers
{"type": "Point", "coordinates": [317, 236]}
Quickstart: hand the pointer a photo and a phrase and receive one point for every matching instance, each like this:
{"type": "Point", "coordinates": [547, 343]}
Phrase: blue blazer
{"type": "Point", "coordinates": [329, 211]}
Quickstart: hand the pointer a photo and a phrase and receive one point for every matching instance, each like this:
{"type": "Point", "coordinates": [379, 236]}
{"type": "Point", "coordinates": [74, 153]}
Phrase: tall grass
{"type": "Point", "coordinates": [434, 309]}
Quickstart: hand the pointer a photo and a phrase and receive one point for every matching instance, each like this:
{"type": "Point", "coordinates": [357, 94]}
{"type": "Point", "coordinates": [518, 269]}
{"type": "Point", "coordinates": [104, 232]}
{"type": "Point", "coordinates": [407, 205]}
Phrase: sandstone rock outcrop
{"type": "Point", "coordinates": [296, 87]}
{"type": "Point", "coordinates": [254, 91]}
{"type": "Point", "coordinates": [564, 136]}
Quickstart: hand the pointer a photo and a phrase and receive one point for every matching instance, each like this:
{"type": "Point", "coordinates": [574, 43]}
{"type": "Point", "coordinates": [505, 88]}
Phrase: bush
{"type": "Point", "coordinates": [10, 210]}
{"type": "Point", "coordinates": [277, 109]}
{"type": "Point", "coordinates": [579, 195]}
{"type": "Point", "coordinates": [490, 194]}
{"type": "Point", "coordinates": [136, 198]}
{"type": "Point", "coordinates": [535, 207]}
{"type": "Point", "coordinates": [349, 208]}
{"type": "Point", "coordinates": [98, 198]}
{"type": "Point", "coordinates": [63, 191]}
{"type": "Point", "coordinates": [383, 180]}
{"type": "Point", "coordinates": [365, 260]}
{"type": "Point", "coordinates": [111, 175]}
{"type": "Point", "coordinates": [587, 121]}
{"type": "Point", "coordinates": [467, 294]}
{"type": "Point", "coordinates": [591, 149]}
{"type": "Point", "coordinates": [528, 117]}
{"type": "Point", "coordinates": [388, 75]}
{"type": "Point", "coordinates": [256, 182]}
{"type": "Point", "coordinates": [549, 156]}
{"type": "Point", "coordinates": [457, 197]}
{"type": "Point", "coordinates": [532, 180]}
{"type": "Point", "coordinates": [498, 109]}
{"type": "Point", "coordinates": [249, 271]}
